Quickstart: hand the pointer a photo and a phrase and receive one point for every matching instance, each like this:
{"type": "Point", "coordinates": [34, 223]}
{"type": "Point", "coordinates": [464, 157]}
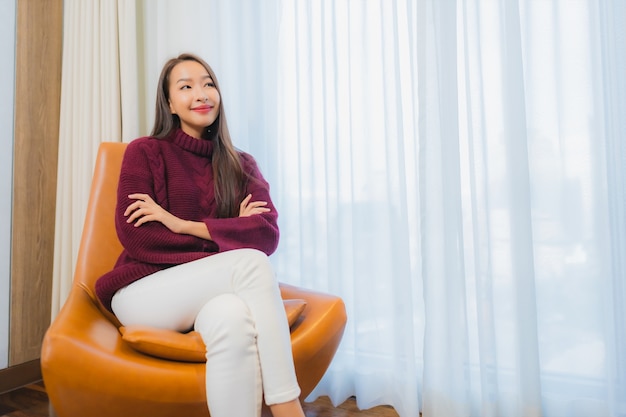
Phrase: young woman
{"type": "Point", "coordinates": [197, 225]}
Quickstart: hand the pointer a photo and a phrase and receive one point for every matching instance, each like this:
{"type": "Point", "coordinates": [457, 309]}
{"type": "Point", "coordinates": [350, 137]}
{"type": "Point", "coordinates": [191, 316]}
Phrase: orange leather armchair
{"type": "Point", "coordinates": [89, 369]}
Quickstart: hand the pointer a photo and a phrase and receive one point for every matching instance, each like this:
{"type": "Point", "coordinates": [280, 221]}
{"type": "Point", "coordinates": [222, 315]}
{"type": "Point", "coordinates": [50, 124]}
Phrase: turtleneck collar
{"type": "Point", "coordinates": [202, 147]}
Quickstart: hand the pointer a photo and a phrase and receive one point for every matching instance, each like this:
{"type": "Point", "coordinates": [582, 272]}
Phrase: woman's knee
{"type": "Point", "coordinates": [226, 319]}
{"type": "Point", "coordinates": [255, 258]}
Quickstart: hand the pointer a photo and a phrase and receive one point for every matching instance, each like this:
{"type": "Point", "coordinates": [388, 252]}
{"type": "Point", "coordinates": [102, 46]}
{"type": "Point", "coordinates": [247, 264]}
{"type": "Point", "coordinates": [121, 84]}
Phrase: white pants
{"type": "Point", "coordinates": [232, 299]}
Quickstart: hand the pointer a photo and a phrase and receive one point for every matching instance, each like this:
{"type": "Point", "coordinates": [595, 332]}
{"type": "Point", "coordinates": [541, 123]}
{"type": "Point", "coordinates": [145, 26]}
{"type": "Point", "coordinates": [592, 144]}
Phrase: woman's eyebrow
{"type": "Point", "coordinates": [186, 80]}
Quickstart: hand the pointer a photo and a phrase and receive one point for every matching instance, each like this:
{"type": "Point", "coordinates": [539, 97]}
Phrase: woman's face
{"type": "Point", "coordinates": [193, 97]}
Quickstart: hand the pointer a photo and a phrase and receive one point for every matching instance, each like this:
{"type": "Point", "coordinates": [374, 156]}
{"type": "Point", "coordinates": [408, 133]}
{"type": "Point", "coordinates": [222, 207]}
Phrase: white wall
{"type": "Point", "coordinates": [7, 82]}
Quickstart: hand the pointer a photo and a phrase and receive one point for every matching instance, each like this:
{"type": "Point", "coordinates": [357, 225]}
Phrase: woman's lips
{"type": "Point", "coordinates": [202, 109]}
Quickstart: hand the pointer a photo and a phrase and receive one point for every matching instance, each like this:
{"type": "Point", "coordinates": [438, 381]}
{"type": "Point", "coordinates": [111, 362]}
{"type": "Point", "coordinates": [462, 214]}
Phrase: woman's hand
{"type": "Point", "coordinates": [249, 208]}
{"type": "Point", "coordinates": [144, 210]}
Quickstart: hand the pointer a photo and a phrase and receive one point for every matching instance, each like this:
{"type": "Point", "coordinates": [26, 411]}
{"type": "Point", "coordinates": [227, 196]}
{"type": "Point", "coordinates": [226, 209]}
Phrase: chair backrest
{"type": "Point", "coordinates": [99, 245]}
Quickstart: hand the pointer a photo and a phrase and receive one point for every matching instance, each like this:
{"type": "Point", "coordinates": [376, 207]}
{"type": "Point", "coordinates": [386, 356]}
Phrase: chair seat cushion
{"type": "Point", "coordinates": [185, 347]}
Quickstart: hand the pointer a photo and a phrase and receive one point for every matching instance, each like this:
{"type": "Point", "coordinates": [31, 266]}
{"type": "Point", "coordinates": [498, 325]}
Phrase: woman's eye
{"type": "Point", "coordinates": [184, 87]}
{"type": "Point", "coordinates": [210, 84]}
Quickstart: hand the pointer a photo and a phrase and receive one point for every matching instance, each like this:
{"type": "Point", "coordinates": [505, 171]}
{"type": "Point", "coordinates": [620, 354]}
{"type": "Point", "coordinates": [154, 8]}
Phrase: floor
{"type": "Point", "coordinates": [32, 401]}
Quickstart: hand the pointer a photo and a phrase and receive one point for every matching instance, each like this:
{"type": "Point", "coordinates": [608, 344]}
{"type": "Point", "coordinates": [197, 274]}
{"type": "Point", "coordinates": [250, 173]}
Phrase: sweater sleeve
{"type": "Point", "coordinates": [259, 231]}
{"type": "Point", "coordinates": [152, 242]}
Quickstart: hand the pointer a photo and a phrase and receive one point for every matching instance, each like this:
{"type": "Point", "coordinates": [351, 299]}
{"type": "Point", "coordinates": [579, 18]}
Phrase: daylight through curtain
{"type": "Point", "coordinates": [458, 178]}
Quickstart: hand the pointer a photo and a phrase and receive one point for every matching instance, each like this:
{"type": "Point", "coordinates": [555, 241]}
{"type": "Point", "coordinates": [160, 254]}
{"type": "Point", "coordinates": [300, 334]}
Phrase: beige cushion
{"type": "Point", "coordinates": [185, 347]}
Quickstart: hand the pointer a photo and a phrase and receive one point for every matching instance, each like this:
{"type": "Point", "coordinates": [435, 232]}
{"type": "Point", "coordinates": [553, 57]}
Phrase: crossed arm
{"type": "Point", "coordinates": [144, 209]}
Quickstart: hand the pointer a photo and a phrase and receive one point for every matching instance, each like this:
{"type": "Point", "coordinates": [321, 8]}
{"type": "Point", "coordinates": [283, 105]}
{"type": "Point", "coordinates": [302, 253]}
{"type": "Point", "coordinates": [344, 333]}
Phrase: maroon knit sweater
{"type": "Point", "coordinates": [177, 173]}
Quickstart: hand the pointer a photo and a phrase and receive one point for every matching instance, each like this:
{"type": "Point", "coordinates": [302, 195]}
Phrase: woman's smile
{"type": "Point", "coordinates": [203, 109]}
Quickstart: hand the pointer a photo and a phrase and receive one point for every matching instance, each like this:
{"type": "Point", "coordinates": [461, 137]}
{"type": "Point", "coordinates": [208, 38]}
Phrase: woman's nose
{"type": "Point", "coordinates": [201, 96]}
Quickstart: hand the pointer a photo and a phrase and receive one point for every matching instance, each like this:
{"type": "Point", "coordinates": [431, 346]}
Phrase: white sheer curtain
{"type": "Point", "coordinates": [455, 170]}
{"type": "Point", "coordinates": [349, 186]}
{"type": "Point", "coordinates": [98, 103]}
{"type": "Point", "coordinates": [458, 177]}
{"type": "Point", "coordinates": [543, 257]}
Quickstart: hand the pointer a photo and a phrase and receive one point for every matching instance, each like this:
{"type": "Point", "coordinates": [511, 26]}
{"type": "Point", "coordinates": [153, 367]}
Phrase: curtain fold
{"type": "Point", "coordinates": [99, 74]}
{"type": "Point", "coordinates": [445, 336]}
{"type": "Point", "coordinates": [612, 45]}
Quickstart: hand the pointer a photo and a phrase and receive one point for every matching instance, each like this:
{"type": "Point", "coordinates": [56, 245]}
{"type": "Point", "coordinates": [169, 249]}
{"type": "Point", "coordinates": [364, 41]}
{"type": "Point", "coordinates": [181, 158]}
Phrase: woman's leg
{"type": "Point", "coordinates": [233, 373]}
{"type": "Point", "coordinates": [254, 281]}
{"type": "Point", "coordinates": [173, 298]}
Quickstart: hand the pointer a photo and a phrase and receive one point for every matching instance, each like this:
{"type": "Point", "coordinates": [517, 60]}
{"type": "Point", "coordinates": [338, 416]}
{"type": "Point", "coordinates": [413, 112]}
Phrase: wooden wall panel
{"type": "Point", "coordinates": [37, 104]}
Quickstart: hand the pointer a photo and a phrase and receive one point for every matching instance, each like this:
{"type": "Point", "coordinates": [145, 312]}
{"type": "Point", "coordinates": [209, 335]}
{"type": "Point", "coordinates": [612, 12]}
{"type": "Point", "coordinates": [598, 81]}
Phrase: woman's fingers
{"type": "Point", "coordinates": [244, 204]}
{"type": "Point", "coordinates": [140, 210]}
{"type": "Point", "coordinates": [249, 208]}
{"type": "Point", "coordinates": [256, 204]}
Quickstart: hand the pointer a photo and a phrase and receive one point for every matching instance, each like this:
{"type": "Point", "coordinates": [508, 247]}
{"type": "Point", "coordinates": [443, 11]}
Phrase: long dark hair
{"type": "Point", "coordinates": [230, 180]}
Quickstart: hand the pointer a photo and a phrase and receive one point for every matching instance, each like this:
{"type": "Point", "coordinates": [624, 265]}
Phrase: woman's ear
{"type": "Point", "coordinates": [172, 111]}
